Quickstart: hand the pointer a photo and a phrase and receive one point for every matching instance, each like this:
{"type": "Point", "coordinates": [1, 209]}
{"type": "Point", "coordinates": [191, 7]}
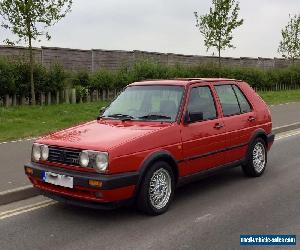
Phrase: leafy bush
{"type": "Point", "coordinates": [56, 77]}
{"type": "Point", "coordinates": [103, 79]}
{"type": "Point", "coordinates": [81, 78]}
{"type": "Point", "coordinates": [15, 76]}
{"type": "Point", "coordinates": [7, 78]}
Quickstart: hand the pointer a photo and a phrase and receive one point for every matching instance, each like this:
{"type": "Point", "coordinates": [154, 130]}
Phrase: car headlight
{"type": "Point", "coordinates": [101, 162]}
{"type": "Point", "coordinates": [84, 159]}
{"type": "Point", "coordinates": [44, 152]}
{"type": "Point", "coordinates": [94, 159]}
{"type": "Point", "coordinates": [36, 152]}
{"type": "Point", "coordinates": [39, 152]}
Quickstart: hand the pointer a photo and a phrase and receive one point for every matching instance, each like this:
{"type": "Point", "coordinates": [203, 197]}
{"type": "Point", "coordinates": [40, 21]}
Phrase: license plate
{"type": "Point", "coordinates": [58, 179]}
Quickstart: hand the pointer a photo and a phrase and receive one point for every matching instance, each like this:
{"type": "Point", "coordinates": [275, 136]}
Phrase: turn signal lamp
{"type": "Point", "coordinates": [28, 170]}
{"type": "Point", "coordinates": [95, 183]}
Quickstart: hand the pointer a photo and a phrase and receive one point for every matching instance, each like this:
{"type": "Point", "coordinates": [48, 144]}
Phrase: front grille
{"type": "Point", "coordinates": [66, 156]}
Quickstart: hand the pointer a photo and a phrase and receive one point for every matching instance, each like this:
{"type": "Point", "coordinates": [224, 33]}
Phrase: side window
{"type": "Point", "coordinates": [201, 100]}
{"type": "Point", "coordinates": [229, 102]}
{"type": "Point", "coordinates": [244, 104]}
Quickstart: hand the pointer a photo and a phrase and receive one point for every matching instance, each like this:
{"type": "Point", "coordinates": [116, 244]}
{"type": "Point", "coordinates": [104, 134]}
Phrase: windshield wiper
{"type": "Point", "coordinates": [155, 117]}
{"type": "Point", "coordinates": [122, 117]}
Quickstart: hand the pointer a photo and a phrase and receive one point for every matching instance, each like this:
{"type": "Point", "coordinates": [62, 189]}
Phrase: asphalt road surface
{"type": "Point", "coordinates": [208, 214]}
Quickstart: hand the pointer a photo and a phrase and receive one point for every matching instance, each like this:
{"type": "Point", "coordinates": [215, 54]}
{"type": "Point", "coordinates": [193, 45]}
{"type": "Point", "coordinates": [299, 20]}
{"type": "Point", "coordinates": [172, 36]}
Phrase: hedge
{"type": "Point", "coordinates": [15, 77]}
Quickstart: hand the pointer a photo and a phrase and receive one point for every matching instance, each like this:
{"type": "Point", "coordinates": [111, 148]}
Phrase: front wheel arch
{"type": "Point", "coordinates": [161, 155]}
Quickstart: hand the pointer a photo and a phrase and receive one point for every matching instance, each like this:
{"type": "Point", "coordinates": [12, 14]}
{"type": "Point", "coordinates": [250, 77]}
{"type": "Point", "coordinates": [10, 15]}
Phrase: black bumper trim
{"type": "Point", "coordinates": [82, 178]}
{"type": "Point", "coordinates": [88, 204]}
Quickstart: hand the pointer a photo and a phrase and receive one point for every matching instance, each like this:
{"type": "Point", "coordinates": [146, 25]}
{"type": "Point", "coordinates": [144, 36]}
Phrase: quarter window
{"type": "Point", "coordinates": [201, 100]}
{"type": "Point", "coordinates": [244, 104]}
{"type": "Point", "coordinates": [228, 99]}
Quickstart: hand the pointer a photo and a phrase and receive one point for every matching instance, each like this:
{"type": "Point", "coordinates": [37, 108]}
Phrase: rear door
{"type": "Point", "coordinates": [239, 119]}
{"type": "Point", "coordinates": [203, 141]}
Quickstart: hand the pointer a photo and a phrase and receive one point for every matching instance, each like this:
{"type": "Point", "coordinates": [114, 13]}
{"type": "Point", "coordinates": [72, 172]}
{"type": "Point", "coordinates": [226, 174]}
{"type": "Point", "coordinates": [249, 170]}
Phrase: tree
{"type": "Point", "coordinates": [217, 26]}
{"type": "Point", "coordinates": [29, 20]}
{"type": "Point", "coordinates": [289, 46]}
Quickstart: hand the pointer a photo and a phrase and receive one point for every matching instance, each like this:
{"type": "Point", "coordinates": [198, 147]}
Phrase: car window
{"type": "Point", "coordinates": [228, 99]}
{"type": "Point", "coordinates": [201, 100]}
{"type": "Point", "coordinates": [244, 103]}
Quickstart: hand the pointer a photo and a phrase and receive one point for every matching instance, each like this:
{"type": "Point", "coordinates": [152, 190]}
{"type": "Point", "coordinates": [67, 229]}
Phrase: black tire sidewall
{"type": "Point", "coordinates": [144, 202]}
{"type": "Point", "coordinates": [249, 167]}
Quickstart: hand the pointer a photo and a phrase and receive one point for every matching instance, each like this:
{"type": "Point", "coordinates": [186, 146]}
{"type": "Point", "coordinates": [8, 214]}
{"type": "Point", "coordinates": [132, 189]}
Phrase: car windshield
{"type": "Point", "coordinates": [159, 103]}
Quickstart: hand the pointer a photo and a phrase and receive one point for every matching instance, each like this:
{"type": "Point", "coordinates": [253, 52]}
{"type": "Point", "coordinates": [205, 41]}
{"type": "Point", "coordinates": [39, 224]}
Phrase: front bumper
{"type": "Point", "coordinates": [114, 188]}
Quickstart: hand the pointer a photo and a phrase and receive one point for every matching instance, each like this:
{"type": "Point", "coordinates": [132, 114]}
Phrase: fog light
{"type": "Point", "coordinates": [28, 170]}
{"type": "Point", "coordinates": [95, 183]}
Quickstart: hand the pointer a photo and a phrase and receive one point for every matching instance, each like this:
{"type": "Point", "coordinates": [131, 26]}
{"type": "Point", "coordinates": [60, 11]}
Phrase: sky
{"type": "Point", "coordinates": [167, 26]}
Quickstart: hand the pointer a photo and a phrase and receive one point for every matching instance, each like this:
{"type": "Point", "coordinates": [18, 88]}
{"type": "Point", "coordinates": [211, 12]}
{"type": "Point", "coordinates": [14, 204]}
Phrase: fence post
{"type": "Point", "coordinates": [7, 101]}
{"type": "Point", "coordinates": [57, 97]}
{"type": "Point", "coordinates": [23, 100]}
{"type": "Point", "coordinates": [88, 96]}
{"type": "Point", "coordinates": [97, 96]}
{"type": "Point", "coordinates": [100, 95]}
{"type": "Point", "coordinates": [14, 101]}
{"type": "Point", "coordinates": [67, 97]}
{"type": "Point", "coordinates": [42, 98]}
{"type": "Point", "coordinates": [103, 94]}
{"type": "Point", "coordinates": [49, 98]}
{"type": "Point", "coordinates": [73, 96]}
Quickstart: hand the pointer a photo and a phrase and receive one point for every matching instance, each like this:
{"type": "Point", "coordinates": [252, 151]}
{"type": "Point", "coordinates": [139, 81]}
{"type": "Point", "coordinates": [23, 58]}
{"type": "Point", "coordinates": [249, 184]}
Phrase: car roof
{"type": "Point", "coordinates": [180, 81]}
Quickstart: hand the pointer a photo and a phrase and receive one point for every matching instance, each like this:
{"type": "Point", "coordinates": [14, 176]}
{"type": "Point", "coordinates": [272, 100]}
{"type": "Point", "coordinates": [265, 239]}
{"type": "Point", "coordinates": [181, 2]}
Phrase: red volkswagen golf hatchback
{"type": "Point", "coordinates": [155, 136]}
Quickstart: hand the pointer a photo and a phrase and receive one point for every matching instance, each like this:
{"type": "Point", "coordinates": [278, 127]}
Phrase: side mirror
{"type": "Point", "coordinates": [101, 111]}
{"type": "Point", "coordinates": [191, 117]}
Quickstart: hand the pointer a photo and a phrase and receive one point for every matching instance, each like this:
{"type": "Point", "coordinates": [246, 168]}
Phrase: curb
{"type": "Point", "coordinates": [29, 191]}
{"type": "Point", "coordinates": [17, 194]}
{"type": "Point", "coordinates": [286, 128]}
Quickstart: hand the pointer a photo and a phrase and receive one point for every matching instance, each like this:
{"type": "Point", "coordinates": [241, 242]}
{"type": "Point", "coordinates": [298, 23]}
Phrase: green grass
{"type": "Point", "coordinates": [26, 121]}
{"type": "Point", "coordinates": [277, 97]}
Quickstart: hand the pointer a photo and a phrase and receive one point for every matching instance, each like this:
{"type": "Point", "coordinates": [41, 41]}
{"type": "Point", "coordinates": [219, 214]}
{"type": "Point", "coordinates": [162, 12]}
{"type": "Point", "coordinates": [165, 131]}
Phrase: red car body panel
{"type": "Point", "coordinates": [130, 144]}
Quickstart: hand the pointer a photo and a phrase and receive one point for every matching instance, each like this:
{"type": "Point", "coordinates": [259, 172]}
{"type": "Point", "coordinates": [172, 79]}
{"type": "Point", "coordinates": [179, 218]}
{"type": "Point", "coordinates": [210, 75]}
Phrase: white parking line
{"type": "Point", "coordinates": [281, 104]}
{"type": "Point", "coordinates": [203, 218]}
{"type": "Point", "coordinates": [286, 135]}
{"type": "Point", "coordinates": [20, 140]}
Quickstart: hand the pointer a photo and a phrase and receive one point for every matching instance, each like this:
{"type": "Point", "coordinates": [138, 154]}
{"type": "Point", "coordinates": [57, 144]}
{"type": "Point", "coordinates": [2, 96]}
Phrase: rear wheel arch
{"type": "Point", "coordinates": [259, 133]}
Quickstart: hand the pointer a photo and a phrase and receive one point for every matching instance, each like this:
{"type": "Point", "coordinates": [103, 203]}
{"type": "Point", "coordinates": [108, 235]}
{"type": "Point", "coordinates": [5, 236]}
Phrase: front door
{"type": "Point", "coordinates": [204, 140]}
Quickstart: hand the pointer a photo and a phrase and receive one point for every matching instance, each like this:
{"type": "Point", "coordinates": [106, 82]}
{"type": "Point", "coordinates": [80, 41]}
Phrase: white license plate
{"type": "Point", "coordinates": [58, 179]}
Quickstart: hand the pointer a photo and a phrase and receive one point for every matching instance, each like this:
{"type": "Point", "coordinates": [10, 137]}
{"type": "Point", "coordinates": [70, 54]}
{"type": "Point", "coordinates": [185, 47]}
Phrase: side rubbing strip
{"type": "Point", "coordinates": [194, 157]}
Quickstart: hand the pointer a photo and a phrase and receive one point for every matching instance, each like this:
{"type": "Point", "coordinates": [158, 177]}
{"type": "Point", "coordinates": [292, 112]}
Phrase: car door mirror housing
{"type": "Point", "coordinates": [191, 117]}
{"type": "Point", "coordinates": [101, 111]}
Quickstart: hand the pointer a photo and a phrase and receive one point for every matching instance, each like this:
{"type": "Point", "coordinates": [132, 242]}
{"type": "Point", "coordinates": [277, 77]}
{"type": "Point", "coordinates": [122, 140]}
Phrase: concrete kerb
{"type": "Point", "coordinates": [17, 194]}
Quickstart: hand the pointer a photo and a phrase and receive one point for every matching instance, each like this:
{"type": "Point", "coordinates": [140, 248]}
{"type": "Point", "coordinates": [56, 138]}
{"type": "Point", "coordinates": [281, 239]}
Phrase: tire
{"type": "Point", "coordinates": [159, 203]}
{"type": "Point", "coordinates": [256, 159]}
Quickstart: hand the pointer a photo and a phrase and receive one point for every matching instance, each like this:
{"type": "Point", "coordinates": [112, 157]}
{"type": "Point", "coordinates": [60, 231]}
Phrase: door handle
{"type": "Point", "coordinates": [251, 119]}
{"type": "Point", "coordinates": [218, 126]}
